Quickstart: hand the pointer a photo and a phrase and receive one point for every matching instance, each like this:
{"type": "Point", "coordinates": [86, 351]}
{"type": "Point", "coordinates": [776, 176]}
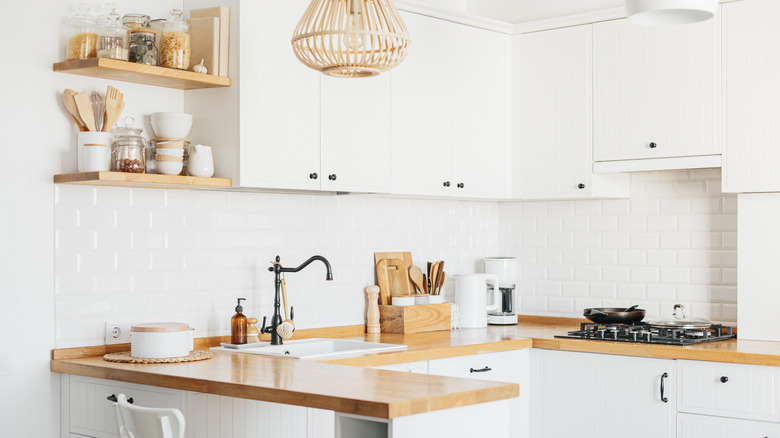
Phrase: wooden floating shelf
{"type": "Point", "coordinates": [143, 180]}
{"type": "Point", "coordinates": [105, 68]}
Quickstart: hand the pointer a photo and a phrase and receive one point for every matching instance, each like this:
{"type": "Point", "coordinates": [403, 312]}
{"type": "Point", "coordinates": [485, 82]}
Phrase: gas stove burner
{"type": "Point", "coordinates": [644, 333]}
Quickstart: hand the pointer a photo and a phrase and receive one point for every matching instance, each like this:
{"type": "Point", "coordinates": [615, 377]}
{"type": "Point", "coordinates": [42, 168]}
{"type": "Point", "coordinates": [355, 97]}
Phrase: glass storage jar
{"type": "Point", "coordinates": [82, 35]}
{"type": "Point", "coordinates": [129, 148]}
{"type": "Point", "coordinates": [142, 49]}
{"type": "Point", "coordinates": [136, 21]}
{"type": "Point", "coordinates": [112, 39]}
{"type": "Point", "coordinates": [175, 44]}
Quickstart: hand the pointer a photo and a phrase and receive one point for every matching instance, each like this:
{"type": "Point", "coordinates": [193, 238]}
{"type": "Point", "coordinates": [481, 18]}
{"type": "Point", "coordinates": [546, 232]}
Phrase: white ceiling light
{"type": "Point", "coordinates": [665, 12]}
{"type": "Point", "coordinates": [351, 38]}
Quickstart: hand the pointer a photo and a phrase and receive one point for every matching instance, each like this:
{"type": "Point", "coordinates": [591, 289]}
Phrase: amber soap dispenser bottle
{"type": "Point", "coordinates": [238, 325]}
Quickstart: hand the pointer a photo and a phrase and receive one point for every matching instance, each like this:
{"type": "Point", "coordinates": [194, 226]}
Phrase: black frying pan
{"type": "Point", "coordinates": [614, 315]}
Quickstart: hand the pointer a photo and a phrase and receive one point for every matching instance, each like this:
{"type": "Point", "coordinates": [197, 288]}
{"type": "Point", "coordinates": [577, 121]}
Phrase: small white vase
{"type": "Point", "coordinates": [201, 161]}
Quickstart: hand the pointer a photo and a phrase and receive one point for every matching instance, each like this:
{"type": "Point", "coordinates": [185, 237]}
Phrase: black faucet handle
{"type": "Point", "coordinates": [262, 330]}
{"type": "Point", "coordinates": [292, 313]}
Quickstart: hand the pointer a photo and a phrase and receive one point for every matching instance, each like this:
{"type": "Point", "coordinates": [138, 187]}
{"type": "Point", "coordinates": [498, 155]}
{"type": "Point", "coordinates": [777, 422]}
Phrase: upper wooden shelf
{"type": "Point", "coordinates": [141, 74]}
{"type": "Point", "coordinates": [144, 180]}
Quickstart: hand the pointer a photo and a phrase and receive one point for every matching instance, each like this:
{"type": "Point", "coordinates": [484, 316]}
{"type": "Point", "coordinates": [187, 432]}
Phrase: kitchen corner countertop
{"type": "Point", "coordinates": [359, 390]}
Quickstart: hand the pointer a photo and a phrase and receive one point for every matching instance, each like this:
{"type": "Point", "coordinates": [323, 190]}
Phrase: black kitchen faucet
{"type": "Point", "coordinates": [278, 269]}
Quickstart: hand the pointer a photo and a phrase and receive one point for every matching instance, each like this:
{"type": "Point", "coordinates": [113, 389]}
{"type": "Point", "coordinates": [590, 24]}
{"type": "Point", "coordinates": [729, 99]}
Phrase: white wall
{"type": "Point", "coordinates": [674, 241]}
{"type": "Point", "coordinates": [39, 139]}
{"type": "Point", "coordinates": [759, 276]}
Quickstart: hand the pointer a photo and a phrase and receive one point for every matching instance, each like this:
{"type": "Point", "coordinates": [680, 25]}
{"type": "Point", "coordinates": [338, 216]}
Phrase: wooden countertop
{"type": "Point", "coordinates": [385, 394]}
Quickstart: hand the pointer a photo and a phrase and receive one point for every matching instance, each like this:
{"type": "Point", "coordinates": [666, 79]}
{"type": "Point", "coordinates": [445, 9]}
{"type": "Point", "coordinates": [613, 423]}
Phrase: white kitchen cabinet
{"type": "Point", "coordinates": [355, 134]}
{"type": "Point", "coordinates": [87, 411]}
{"type": "Point", "coordinates": [575, 393]}
{"type": "Point", "coordinates": [480, 116]}
{"type": "Point", "coordinates": [750, 392]}
{"type": "Point", "coordinates": [702, 426]}
{"type": "Point", "coordinates": [420, 367]}
{"type": "Point", "coordinates": [555, 142]}
{"type": "Point", "coordinates": [282, 125]}
{"type": "Point", "coordinates": [751, 103]}
{"type": "Point", "coordinates": [655, 90]}
{"type": "Point", "coordinates": [507, 366]}
{"type": "Point", "coordinates": [449, 111]}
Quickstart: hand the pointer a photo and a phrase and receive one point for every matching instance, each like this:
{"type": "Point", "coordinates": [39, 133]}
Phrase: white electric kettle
{"type": "Point", "coordinates": [471, 298]}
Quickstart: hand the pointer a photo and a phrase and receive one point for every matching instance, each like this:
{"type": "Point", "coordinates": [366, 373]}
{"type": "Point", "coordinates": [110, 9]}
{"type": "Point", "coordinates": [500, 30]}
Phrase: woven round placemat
{"type": "Point", "coordinates": [125, 357]}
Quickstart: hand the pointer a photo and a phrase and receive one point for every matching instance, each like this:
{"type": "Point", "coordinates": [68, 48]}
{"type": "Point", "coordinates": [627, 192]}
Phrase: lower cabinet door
{"type": "Point", "coordinates": [91, 413]}
{"type": "Point", "coordinates": [583, 394]}
{"type": "Point", "coordinates": [704, 426]}
{"type": "Point", "coordinates": [505, 366]}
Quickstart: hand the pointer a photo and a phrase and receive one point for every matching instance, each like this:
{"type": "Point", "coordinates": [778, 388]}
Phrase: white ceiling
{"type": "Point", "coordinates": [519, 11]}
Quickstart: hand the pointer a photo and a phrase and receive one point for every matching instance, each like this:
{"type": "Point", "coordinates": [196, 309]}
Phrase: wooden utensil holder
{"type": "Point", "coordinates": [419, 318]}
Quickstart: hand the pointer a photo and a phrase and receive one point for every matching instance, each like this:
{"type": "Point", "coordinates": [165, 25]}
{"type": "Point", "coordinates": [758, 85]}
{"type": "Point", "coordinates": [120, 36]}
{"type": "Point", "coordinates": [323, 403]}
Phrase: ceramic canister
{"type": "Point", "coordinates": [161, 340]}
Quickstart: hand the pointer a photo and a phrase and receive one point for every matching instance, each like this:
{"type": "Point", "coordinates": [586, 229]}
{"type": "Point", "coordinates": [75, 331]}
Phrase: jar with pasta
{"type": "Point", "coordinates": [82, 35]}
{"type": "Point", "coordinates": [175, 42]}
{"type": "Point", "coordinates": [112, 39]}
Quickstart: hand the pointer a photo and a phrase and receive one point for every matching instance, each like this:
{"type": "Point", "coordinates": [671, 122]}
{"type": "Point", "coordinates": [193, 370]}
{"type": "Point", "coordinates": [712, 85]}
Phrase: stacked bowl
{"type": "Point", "coordinates": [171, 142]}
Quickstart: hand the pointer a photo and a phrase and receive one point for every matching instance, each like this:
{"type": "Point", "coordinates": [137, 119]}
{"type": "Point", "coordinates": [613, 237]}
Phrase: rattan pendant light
{"type": "Point", "coordinates": [351, 38]}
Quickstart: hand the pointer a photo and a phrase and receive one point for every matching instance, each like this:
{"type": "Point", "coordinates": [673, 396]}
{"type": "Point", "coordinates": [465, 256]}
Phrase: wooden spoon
{"type": "Point", "coordinates": [439, 275]}
{"type": "Point", "coordinates": [114, 106]}
{"type": "Point", "coordinates": [85, 110]}
{"type": "Point", "coordinates": [70, 105]}
{"type": "Point", "coordinates": [416, 275]}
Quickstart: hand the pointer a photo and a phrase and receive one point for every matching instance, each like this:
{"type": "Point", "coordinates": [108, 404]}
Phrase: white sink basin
{"type": "Point", "coordinates": [314, 348]}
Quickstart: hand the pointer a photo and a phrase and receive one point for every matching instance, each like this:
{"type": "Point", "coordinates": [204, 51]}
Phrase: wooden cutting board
{"type": "Point", "coordinates": [392, 275]}
{"type": "Point", "coordinates": [398, 271]}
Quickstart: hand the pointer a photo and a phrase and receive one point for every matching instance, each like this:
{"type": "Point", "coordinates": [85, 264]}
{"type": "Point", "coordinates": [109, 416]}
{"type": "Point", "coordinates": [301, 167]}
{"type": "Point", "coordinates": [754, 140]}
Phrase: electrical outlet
{"type": "Point", "coordinates": [117, 333]}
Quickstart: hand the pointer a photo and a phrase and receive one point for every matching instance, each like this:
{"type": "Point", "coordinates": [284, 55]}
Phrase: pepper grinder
{"type": "Point", "coordinates": [372, 313]}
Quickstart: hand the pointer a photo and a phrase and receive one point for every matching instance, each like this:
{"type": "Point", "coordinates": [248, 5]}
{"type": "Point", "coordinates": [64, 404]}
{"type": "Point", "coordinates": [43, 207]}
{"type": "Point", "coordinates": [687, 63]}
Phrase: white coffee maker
{"type": "Point", "coordinates": [505, 268]}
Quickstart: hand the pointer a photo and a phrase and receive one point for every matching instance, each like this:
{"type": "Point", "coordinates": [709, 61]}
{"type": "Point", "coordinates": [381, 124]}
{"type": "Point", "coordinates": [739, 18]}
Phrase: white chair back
{"type": "Point", "coordinates": [140, 422]}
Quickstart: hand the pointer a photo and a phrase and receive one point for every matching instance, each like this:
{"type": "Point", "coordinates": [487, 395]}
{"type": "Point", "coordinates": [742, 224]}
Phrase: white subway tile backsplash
{"type": "Point", "coordinates": [157, 254]}
{"type": "Point", "coordinates": [676, 239]}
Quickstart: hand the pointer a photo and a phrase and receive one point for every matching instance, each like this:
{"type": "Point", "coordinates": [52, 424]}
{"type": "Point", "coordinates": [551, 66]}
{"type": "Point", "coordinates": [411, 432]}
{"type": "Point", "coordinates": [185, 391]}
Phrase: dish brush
{"type": "Point", "coordinates": [287, 327]}
{"type": "Point", "coordinates": [252, 332]}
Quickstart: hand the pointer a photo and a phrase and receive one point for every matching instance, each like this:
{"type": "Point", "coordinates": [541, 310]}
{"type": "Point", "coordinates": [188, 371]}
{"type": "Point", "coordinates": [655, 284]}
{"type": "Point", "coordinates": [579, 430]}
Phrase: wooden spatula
{"type": "Point", "coordinates": [85, 110]}
{"type": "Point", "coordinates": [70, 104]}
{"type": "Point", "coordinates": [416, 275]}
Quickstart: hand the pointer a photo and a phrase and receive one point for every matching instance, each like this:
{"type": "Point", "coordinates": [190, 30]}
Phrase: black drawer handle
{"type": "Point", "coordinates": [481, 370]}
{"type": "Point", "coordinates": [313, 175]}
{"type": "Point", "coordinates": [112, 398]}
{"type": "Point", "coordinates": [724, 379]}
{"type": "Point", "coordinates": [663, 376]}
{"type": "Point", "coordinates": [653, 145]}
{"type": "Point", "coordinates": [332, 177]}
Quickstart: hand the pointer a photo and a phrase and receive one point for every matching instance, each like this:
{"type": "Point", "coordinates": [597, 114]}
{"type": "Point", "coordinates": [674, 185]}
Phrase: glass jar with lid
{"type": "Point", "coordinates": [112, 39]}
{"type": "Point", "coordinates": [108, 9]}
{"type": "Point", "coordinates": [142, 48]}
{"type": "Point", "coordinates": [136, 21]}
{"type": "Point", "coordinates": [82, 35]}
{"type": "Point", "coordinates": [129, 148]}
{"type": "Point", "coordinates": [175, 43]}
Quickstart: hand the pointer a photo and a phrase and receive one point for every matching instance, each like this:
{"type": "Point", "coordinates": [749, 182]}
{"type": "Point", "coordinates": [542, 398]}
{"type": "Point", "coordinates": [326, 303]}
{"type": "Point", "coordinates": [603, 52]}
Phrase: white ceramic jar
{"type": "Point", "coordinates": [160, 340]}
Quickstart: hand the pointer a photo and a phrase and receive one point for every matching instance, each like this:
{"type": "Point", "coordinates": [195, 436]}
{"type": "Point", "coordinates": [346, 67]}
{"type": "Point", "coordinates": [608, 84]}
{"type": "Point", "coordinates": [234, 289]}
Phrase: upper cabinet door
{"type": "Point", "coordinates": [751, 99]}
{"type": "Point", "coordinates": [480, 113]}
{"type": "Point", "coordinates": [655, 90]}
{"type": "Point", "coordinates": [280, 100]}
{"type": "Point", "coordinates": [421, 110]}
{"type": "Point", "coordinates": [356, 134]}
{"type": "Point", "coordinates": [555, 113]}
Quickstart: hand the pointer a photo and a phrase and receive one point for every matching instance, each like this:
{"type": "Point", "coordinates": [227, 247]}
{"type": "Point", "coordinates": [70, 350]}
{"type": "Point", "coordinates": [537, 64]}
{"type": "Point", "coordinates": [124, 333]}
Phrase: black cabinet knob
{"type": "Point", "coordinates": [461, 185]}
{"type": "Point", "coordinates": [653, 145]}
{"type": "Point", "coordinates": [446, 183]}
{"type": "Point", "coordinates": [112, 398]}
{"type": "Point", "coordinates": [580, 186]}
{"type": "Point", "coordinates": [332, 177]}
{"type": "Point", "coordinates": [313, 175]}
{"type": "Point", "coordinates": [724, 379]}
